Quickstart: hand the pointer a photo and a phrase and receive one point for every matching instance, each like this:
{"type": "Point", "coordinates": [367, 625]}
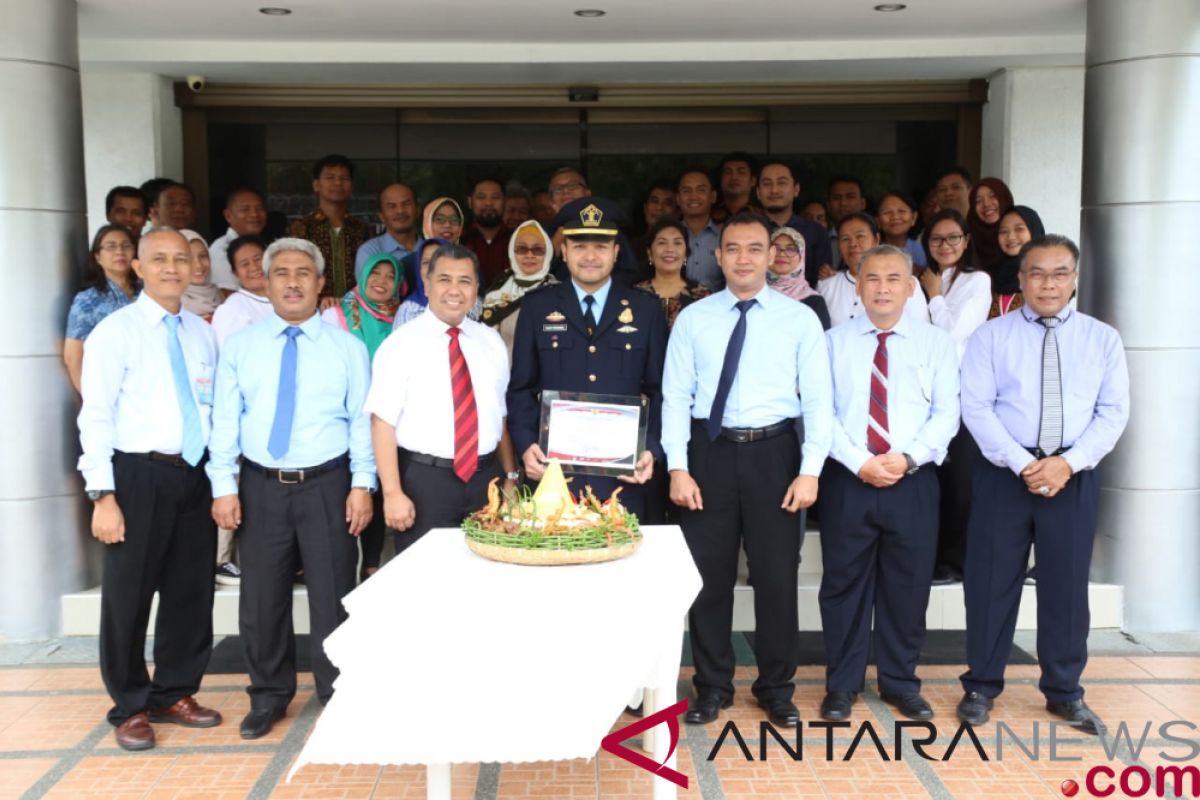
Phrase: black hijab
{"type": "Point", "coordinates": [1004, 274]}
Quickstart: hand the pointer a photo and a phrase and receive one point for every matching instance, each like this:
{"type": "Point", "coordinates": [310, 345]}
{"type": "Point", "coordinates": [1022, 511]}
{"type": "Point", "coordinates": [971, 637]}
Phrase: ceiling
{"type": "Point", "coordinates": [542, 40]}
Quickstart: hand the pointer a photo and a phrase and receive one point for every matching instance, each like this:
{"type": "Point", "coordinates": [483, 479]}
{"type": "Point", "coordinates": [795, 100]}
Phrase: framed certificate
{"type": "Point", "coordinates": [594, 434]}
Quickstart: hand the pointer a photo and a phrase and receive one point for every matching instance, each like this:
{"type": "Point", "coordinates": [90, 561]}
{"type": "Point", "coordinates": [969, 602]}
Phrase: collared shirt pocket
{"type": "Point", "coordinates": [630, 350]}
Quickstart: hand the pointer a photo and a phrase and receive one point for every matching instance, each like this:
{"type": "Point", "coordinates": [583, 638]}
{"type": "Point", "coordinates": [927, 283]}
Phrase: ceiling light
{"type": "Point", "coordinates": [590, 13]}
{"type": "Point", "coordinates": [275, 11]}
{"type": "Point", "coordinates": [890, 7]}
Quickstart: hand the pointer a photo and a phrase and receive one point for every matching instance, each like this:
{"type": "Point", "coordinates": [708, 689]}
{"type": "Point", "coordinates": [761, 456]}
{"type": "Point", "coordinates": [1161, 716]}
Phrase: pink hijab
{"type": "Point", "coordinates": [794, 284]}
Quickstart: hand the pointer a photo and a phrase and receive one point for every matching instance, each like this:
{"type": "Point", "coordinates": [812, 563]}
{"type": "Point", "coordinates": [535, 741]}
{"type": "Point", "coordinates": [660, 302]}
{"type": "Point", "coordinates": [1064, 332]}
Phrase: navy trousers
{"type": "Point", "coordinates": [878, 548]}
{"type": "Point", "coordinates": [1006, 520]}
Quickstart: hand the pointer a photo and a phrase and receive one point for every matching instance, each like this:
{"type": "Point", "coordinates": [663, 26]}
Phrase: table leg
{"type": "Point", "coordinates": [437, 782]}
{"type": "Point", "coordinates": [663, 694]}
{"type": "Point", "coordinates": [650, 704]}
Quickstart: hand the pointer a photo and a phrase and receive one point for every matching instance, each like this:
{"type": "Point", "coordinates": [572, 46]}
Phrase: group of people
{"type": "Point", "coordinates": [330, 386]}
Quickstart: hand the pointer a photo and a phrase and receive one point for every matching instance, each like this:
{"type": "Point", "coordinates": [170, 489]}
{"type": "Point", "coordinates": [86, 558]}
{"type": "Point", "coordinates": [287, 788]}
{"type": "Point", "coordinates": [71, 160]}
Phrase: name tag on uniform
{"type": "Point", "coordinates": [204, 385]}
{"type": "Point", "coordinates": [560, 328]}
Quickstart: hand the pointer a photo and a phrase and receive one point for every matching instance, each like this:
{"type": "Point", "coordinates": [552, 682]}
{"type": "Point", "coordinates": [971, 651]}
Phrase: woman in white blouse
{"type": "Point", "coordinates": [857, 233]}
{"type": "Point", "coordinates": [959, 299]}
{"type": "Point", "coordinates": [959, 293]}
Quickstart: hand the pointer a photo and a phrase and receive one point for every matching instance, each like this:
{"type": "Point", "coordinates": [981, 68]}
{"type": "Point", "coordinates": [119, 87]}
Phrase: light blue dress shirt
{"type": "Point", "coordinates": [702, 264]}
{"type": "Point", "coordinates": [383, 243]}
{"type": "Point", "coordinates": [332, 376]}
{"type": "Point", "coordinates": [783, 373]}
{"type": "Point", "coordinates": [922, 389]}
{"type": "Point", "coordinates": [1002, 388]}
{"type": "Point", "coordinates": [600, 294]}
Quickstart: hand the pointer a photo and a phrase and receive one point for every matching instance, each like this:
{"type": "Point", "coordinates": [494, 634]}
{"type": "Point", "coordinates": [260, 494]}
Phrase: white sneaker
{"type": "Point", "coordinates": [228, 574]}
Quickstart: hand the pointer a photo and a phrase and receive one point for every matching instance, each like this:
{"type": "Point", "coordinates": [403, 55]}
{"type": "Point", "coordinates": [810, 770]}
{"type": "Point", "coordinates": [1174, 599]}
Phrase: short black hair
{"type": "Point", "coordinates": [169, 185]}
{"type": "Point", "coordinates": [903, 197]}
{"type": "Point", "coordinates": [401, 184]}
{"type": "Point", "coordinates": [242, 241]}
{"type": "Point", "coordinates": [455, 252]}
{"type": "Point", "coordinates": [1049, 240]}
{"type": "Point", "coordinates": [861, 216]}
{"type": "Point", "coordinates": [844, 179]}
{"type": "Point", "coordinates": [235, 191]}
{"type": "Point", "coordinates": [960, 171]}
{"type": "Point", "coordinates": [332, 160]}
{"type": "Point", "coordinates": [668, 222]}
{"type": "Point", "coordinates": [745, 218]}
{"type": "Point", "coordinates": [94, 276]}
{"type": "Point", "coordinates": [695, 171]}
{"type": "Point", "coordinates": [152, 187]}
{"type": "Point", "coordinates": [485, 179]}
{"type": "Point", "coordinates": [739, 156]}
{"type": "Point", "coordinates": [110, 199]}
{"type": "Point", "coordinates": [967, 264]}
{"type": "Point", "coordinates": [776, 162]}
{"type": "Point", "coordinates": [663, 184]}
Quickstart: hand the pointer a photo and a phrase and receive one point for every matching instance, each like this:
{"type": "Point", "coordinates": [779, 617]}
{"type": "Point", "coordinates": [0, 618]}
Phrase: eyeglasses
{"type": "Point", "coordinates": [113, 247]}
{"type": "Point", "coordinates": [954, 240]}
{"type": "Point", "coordinates": [1059, 277]}
{"type": "Point", "coordinates": [788, 249]}
{"type": "Point", "coordinates": [523, 250]}
{"type": "Point", "coordinates": [567, 187]}
{"type": "Point", "coordinates": [442, 219]}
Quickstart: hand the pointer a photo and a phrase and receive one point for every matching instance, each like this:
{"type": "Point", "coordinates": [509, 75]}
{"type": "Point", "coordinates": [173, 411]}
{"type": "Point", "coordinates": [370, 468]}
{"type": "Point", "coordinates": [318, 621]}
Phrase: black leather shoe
{"type": "Point", "coordinates": [636, 712]}
{"type": "Point", "coordinates": [944, 576]}
{"type": "Point", "coordinates": [781, 712]}
{"type": "Point", "coordinates": [1079, 715]}
{"type": "Point", "coordinates": [704, 709]}
{"type": "Point", "coordinates": [836, 705]}
{"type": "Point", "coordinates": [259, 721]}
{"type": "Point", "coordinates": [909, 704]}
{"type": "Point", "coordinates": [973, 708]}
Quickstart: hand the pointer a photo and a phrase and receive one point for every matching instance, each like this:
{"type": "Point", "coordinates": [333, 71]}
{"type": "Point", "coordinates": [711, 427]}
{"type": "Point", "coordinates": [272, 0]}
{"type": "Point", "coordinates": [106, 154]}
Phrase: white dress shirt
{"type": "Point", "coordinates": [129, 399]}
{"type": "Point", "coordinates": [922, 390]}
{"type": "Point", "coordinates": [410, 385]}
{"type": "Point", "coordinates": [218, 257]}
{"type": "Point", "coordinates": [841, 298]}
{"type": "Point", "coordinates": [241, 310]}
{"type": "Point", "coordinates": [960, 309]}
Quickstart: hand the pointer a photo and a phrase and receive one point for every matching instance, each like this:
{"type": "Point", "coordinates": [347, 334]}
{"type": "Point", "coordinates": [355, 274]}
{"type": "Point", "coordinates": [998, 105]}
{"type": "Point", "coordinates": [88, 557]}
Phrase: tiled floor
{"type": "Point", "coordinates": [54, 743]}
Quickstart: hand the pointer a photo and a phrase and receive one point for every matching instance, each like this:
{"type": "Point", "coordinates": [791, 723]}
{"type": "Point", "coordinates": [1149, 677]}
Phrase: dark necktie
{"type": "Point", "coordinates": [285, 400]}
{"type": "Point", "coordinates": [466, 416]}
{"type": "Point", "coordinates": [878, 439]}
{"type": "Point", "coordinates": [733, 354]}
{"type": "Point", "coordinates": [589, 317]}
{"type": "Point", "coordinates": [1051, 429]}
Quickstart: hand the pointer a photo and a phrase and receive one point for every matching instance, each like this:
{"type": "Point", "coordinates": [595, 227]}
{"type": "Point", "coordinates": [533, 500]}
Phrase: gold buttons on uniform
{"type": "Point", "coordinates": [554, 344]}
{"type": "Point", "coordinates": [591, 348]}
{"type": "Point", "coordinates": [628, 347]}
{"type": "Point", "coordinates": [592, 378]}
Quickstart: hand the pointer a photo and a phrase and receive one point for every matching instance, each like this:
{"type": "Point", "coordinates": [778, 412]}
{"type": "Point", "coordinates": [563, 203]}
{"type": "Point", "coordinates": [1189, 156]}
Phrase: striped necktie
{"type": "Point", "coordinates": [878, 439]}
{"type": "Point", "coordinates": [466, 417]}
{"type": "Point", "coordinates": [1050, 431]}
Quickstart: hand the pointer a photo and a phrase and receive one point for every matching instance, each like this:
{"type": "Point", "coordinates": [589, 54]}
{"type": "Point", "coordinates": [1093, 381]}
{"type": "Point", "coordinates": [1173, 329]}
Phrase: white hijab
{"type": "Point", "coordinates": [517, 283]}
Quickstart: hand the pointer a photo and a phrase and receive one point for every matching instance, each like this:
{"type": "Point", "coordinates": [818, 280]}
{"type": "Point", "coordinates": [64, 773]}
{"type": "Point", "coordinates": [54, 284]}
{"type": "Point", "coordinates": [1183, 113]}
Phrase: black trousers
{"type": "Point", "coordinates": [1006, 519]}
{"type": "Point", "coordinates": [284, 525]}
{"type": "Point", "coordinates": [440, 498]}
{"type": "Point", "coordinates": [955, 475]}
{"type": "Point", "coordinates": [372, 536]}
{"type": "Point", "coordinates": [743, 486]}
{"type": "Point", "coordinates": [170, 544]}
{"type": "Point", "coordinates": [877, 552]}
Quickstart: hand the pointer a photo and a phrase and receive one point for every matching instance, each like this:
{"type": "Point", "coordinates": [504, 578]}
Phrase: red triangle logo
{"type": "Point", "coordinates": [669, 715]}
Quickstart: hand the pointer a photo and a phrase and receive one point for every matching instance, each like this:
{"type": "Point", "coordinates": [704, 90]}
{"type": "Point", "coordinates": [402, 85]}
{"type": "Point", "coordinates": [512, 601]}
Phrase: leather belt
{"type": "Point", "coordinates": [174, 459]}
{"type": "Point", "coordinates": [442, 463]}
{"type": "Point", "coordinates": [1038, 452]}
{"type": "Point", "coordinates": [290, 476]}
{"type": "Point", "coordinates": [747, 435]}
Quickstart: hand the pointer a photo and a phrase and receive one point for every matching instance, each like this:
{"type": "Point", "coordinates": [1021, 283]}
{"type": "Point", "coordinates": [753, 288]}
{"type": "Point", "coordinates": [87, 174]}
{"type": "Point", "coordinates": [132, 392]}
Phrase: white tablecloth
{"type": "Point", "coordinates": [449, 657]}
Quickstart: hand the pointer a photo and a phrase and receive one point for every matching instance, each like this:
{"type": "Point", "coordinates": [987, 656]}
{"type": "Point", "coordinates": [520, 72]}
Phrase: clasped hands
{"type": "Point", "coordinates": [1052, 472]}
{"type": "Point", "coordinates": [884, 470]}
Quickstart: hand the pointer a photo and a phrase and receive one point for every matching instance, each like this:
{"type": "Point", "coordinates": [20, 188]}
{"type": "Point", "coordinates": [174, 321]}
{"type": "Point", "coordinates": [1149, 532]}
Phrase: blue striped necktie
{"type": "Point", "coordinates": [1050, 431]}
{"type": "Point", "coordinates": [193, 437]}
{"type": "Point", "coordinates": [285, 401]}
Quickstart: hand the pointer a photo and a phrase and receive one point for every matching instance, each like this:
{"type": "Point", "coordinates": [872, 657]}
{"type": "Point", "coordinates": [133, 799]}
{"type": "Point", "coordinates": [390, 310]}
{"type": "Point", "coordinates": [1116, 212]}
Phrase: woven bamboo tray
{"type": "Point", "coordinates": [546, 557]}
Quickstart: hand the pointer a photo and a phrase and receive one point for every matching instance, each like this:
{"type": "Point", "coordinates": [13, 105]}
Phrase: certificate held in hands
{"type": "Point", "coordinates": [594, 434]}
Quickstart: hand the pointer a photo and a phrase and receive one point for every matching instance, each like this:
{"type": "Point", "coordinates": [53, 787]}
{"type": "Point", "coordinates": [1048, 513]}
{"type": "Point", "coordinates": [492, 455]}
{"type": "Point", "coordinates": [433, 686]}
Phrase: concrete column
{"type": "Point", "coordinates": [132, 132]}
{"type": "Point", "coordinates": [41, 244]}
{"type": "Point", "coordinates": [1033, 140]}
{"type": "Point", "coordinates": [1141, 205]}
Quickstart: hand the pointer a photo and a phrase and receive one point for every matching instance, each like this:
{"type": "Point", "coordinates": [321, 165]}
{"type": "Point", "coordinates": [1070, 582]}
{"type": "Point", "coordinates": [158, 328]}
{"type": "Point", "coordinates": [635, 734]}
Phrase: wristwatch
{"type": "Point", "coordinates": [912, 464]}
{"type": "Point", "coordinates": [97, 494]}
{"type": "Point", "coordinates": [512, 476]}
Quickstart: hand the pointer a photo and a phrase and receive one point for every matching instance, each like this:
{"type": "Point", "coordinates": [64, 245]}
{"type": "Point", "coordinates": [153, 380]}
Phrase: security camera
{"type": "Point", "coordinates": [195, 83]}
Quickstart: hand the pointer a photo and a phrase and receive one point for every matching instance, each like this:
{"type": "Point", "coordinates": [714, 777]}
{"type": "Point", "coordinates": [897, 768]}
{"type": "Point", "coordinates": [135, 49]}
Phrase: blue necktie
{"type": "Point", "coordinates": [193, 438]}
{"type": "Point", "coordinates": [589, 318]}
{"type": "Point", "coordinates": [733, 354]}
{"type": "Point", "coordinates": [285, 401]}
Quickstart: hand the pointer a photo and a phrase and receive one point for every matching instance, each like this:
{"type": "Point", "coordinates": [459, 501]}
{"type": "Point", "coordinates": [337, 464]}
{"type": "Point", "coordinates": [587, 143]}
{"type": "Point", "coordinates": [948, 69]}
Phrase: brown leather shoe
{"type": "Point", "coordinates": [135, 733]}
{"type": "Point", "coordinates": [187, 712]}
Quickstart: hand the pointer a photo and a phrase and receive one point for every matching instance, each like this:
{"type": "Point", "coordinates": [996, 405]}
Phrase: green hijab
{"type": "Point", "coordinates": [370, 321]}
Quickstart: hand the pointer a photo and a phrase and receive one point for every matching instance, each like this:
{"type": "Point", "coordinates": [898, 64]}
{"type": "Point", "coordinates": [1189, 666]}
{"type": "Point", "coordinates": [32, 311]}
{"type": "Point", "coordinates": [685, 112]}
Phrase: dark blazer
{"type": "Point", "coordinates": [551, 350]}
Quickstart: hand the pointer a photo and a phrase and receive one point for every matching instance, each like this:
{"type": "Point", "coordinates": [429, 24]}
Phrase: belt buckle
{"type": "Point", "coordinates": [297, 476]}
{"type": "Point", "coordinates": [741, 435]}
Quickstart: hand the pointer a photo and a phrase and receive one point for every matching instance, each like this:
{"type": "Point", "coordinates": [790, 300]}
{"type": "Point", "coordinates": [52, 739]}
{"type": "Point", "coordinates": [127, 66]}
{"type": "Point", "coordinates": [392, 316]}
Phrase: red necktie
{"type": "Point", "coordinates": [466, 419]}
{"type": "Point", "coordinates": [877, 424]}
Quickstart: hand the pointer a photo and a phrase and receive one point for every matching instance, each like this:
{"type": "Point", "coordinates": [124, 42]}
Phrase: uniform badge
{"type": "Point", "coordinates": [487, 313]}
{"type": "Point", "coordinates": [624, 301]}
{"type": "Point", "coordinates": [626, 329]}
{"type": "Point", "coordinates": [556, 328]}
{"type": "Point", "coordinates": [626, 316]}
{"type": "Point", "coordinates": [555, 316]}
